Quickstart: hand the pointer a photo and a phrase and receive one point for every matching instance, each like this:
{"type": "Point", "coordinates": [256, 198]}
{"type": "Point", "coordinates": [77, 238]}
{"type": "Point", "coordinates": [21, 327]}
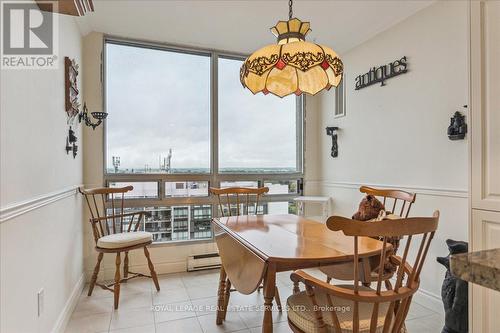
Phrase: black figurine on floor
{"type": "Point", "coordinates": [454, 293]}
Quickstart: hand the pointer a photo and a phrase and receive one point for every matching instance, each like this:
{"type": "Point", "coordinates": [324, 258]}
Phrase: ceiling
{"type": "Point", "coordinates": [243, 26]}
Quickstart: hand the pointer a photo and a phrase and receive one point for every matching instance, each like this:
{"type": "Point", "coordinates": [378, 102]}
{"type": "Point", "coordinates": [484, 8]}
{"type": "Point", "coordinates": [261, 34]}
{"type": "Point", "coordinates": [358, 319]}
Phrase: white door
{"type": "Point", "coordinates": [485, 104]}
{"type": "Point", "coordinates": [485, 302]}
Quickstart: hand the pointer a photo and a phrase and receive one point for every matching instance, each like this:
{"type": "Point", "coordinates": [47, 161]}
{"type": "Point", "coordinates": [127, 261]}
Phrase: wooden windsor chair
{"type": "Point", "coordinates": [402, 202]}
{"type": "Point", "coordinates": [234, 201]}
{"type": "Point", "coordinates": [320, 307]}
{"type": "Point", "coordinates": [116, 233]}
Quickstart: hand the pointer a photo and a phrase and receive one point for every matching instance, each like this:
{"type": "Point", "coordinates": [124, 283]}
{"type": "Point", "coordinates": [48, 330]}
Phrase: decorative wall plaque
{"type": "Point", "coordinates": [71, 87]}
{"type": "Point", "coordinates": [382, 73]}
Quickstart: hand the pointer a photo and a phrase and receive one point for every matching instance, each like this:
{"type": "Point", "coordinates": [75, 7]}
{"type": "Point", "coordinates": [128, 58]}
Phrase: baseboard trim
{"type": "Point", "coordinates": [69, 307]}
{"type": "Point", "coordinates": [429, 300]}
{"type": "Point", "coordinates": [16, 209]}
{"type": "Point", "coordinates": [432, 191]}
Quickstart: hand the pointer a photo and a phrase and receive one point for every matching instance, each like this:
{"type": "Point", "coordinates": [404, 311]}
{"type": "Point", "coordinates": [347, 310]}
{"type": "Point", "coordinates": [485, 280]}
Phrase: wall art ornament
{"type": "Point", "coordinates": [382, 73]}
{"type": "Point", "coordinates": [458, 127]}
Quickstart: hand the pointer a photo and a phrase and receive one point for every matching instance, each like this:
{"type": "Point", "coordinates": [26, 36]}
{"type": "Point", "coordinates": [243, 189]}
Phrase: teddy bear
{"type": "Point", "coordinates": [369, 208]}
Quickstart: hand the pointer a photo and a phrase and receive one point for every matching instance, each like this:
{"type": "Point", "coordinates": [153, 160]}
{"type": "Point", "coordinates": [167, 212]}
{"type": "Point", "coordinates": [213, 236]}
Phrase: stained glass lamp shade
{"type": "Point", "coordinates": [292, 66]}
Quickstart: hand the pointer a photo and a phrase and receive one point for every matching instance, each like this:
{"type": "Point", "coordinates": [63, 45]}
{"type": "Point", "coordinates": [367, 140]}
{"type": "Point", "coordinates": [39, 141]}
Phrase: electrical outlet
{"type": "Point", "coordinates": [40, 298]}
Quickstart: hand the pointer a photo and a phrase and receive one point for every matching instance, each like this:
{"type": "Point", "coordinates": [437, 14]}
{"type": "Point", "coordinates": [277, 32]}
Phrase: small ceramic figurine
{"type": "Point", "coordinates": [454, 293]}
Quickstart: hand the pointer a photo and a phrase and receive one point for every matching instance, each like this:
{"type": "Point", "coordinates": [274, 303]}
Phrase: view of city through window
{"type": "Point", "coordinates": [160, 123]}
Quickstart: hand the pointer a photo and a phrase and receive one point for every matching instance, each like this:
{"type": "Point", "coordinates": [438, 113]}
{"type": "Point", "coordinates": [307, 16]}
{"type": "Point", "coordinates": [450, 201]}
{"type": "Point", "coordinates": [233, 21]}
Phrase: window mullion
{"type": "Point", "coordinates": [214, 121]}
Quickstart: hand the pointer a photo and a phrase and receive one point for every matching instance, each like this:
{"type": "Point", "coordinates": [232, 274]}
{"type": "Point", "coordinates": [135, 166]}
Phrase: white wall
{"type": "Point", "coordinates": [41, 247]}
{"type": "Point", "coordinates": [395, 135]}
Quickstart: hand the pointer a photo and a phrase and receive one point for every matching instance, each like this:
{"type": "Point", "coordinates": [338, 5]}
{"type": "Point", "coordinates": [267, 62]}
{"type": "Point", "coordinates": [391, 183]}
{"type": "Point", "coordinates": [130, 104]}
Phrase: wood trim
{"type": "Point", "coordinates": [22, 207]}
{"type": "Point", "coordinates": [67, 7]}
{"type": "Point", "coordinates": [430, 191]}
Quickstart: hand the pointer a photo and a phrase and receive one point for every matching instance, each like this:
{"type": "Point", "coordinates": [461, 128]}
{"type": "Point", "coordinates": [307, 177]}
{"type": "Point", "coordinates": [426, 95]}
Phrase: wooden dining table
{"type": "Point", "coordinates": [254, 248]}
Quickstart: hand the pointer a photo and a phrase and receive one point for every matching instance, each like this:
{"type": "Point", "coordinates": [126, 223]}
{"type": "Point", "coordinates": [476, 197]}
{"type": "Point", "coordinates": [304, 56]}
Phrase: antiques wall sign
{"type": "Point", "coordinates": [382, 73]}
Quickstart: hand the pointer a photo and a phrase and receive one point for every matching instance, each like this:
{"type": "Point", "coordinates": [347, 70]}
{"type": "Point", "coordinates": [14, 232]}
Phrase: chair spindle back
{"type": "Point", "coordinates": [232, 198]}
{"type": "Point", "coordinates": [407, 199]}
{"type": "Point", "coordinates": [106, 223]}
{"type": "Point", "coordinates": [399, 298]}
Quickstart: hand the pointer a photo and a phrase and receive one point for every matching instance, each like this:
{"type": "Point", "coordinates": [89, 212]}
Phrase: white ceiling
{"type": "Point", "coordinates": [243, 26]}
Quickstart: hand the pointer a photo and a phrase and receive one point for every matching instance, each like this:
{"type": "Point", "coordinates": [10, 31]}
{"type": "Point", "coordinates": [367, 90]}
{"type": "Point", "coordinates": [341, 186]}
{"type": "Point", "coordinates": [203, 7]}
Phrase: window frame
{"type": "Point", "coordinates": [214, 177]}
{"type": "Point", "coordinates": [340, 96]}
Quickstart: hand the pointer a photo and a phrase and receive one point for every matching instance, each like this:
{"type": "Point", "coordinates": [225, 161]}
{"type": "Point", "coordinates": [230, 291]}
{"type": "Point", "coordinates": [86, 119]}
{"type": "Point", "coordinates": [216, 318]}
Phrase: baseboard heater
{"type": "Point", "coordinates": [203, 261]}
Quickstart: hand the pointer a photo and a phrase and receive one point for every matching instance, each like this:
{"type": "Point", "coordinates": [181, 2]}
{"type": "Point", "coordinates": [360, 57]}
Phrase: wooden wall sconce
{"type": "Point", "coordinates": [332, 131]}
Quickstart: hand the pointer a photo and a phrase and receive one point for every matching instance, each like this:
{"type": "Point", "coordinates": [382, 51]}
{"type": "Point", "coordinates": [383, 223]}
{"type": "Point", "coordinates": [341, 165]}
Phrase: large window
{"type": "Point", "coordinates": [179, 122]}
{"type": "Point", "coordinates": [159, 106]}
{"type": "Point", "coordinates": [256, 133]}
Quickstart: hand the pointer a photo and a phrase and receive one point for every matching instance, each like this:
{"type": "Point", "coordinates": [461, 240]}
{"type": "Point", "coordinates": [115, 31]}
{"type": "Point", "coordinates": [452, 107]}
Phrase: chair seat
{"type": "Point", "coordinates": [124, 239]}
{"type": "Point", "coordinates": [300, 313]}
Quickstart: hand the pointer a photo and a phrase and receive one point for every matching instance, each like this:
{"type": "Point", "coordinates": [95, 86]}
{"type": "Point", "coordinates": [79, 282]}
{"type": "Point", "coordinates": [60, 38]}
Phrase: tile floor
{"type": "Point", "coordinates": [186, 303]}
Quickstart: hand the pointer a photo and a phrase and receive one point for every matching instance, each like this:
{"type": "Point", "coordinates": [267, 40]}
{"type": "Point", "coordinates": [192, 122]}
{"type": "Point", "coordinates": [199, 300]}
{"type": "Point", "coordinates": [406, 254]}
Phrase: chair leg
{"type": "Point", "coordinates": [227, 294]}
{"type": "Point", "coordinates": [116, 287]}
{"type": "Point", "coordinates": [152, 269]}
{"type": "Point", "coordinates": [96, 272]}
{"type": "Point", "coordinates": [296, 288]}
{"type": "Point", "coordinates": [277, 299]}
{"type": "Point", "coordinates": [125, 266]}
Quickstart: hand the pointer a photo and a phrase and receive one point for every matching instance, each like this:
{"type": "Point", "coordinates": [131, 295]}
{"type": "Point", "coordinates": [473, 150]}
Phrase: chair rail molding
{"type": "Point", "coordinates": [431, 191]}
{"type": "Point", "coordinates": [19, 208]}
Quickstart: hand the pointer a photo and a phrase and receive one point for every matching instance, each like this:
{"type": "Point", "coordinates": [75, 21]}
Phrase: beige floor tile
{"type": "Point", "coordinates": [135, 300]}
{"type": "Point", "coordinates": [417, 311]}
{"type": "Point", "coordinates": [281, 327]}
{"type": "Point", "coordinates": [201, 278]}
{"type": "Point", "coordinates": [237, 299]}
{"type": "Point", "coordinates": [170, 281]}
{"type": "Point", "coordinates": [254, 317]}
{"type": "Point", "coordinates": [188, 325]}
{"type": "Point", "coordinates": [232, 323]}
{"type": "Point", "coordinates": [170, 296]}
{"type": "Point", "coordinates": [205, 306]}
{"type": "Point", "coordinates": [202, 291]}
{"type": "Point", "coordinates": [174, 311]}
{"type": "Point", "coordinates": [125, 318]}
{"type": "Point", "coordinates": [89, 305]}
{"type": "Point", "coordinates": [139, 329]}
{"type": "Point", "coordinates": [89, 324]}
{"type": "Point", "coordinates": [137, 285]}
{"type": "Point", "coordinates": [140, 282]}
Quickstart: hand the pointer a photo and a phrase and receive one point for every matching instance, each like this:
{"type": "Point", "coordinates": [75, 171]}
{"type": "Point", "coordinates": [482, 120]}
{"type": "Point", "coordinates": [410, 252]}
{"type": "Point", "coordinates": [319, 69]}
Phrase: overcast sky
{"type": "Point", "coordinates": [158, 100]}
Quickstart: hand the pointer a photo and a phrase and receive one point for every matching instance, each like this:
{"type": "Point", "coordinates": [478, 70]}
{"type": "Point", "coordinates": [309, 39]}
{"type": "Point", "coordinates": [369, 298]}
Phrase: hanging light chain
{"type": "Point", "coordinates": [290, 11]}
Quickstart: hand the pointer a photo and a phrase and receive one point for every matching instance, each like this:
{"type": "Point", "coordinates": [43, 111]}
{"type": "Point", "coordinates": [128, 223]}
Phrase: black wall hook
{"type": "Point", "coordinates": [332, 131]}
